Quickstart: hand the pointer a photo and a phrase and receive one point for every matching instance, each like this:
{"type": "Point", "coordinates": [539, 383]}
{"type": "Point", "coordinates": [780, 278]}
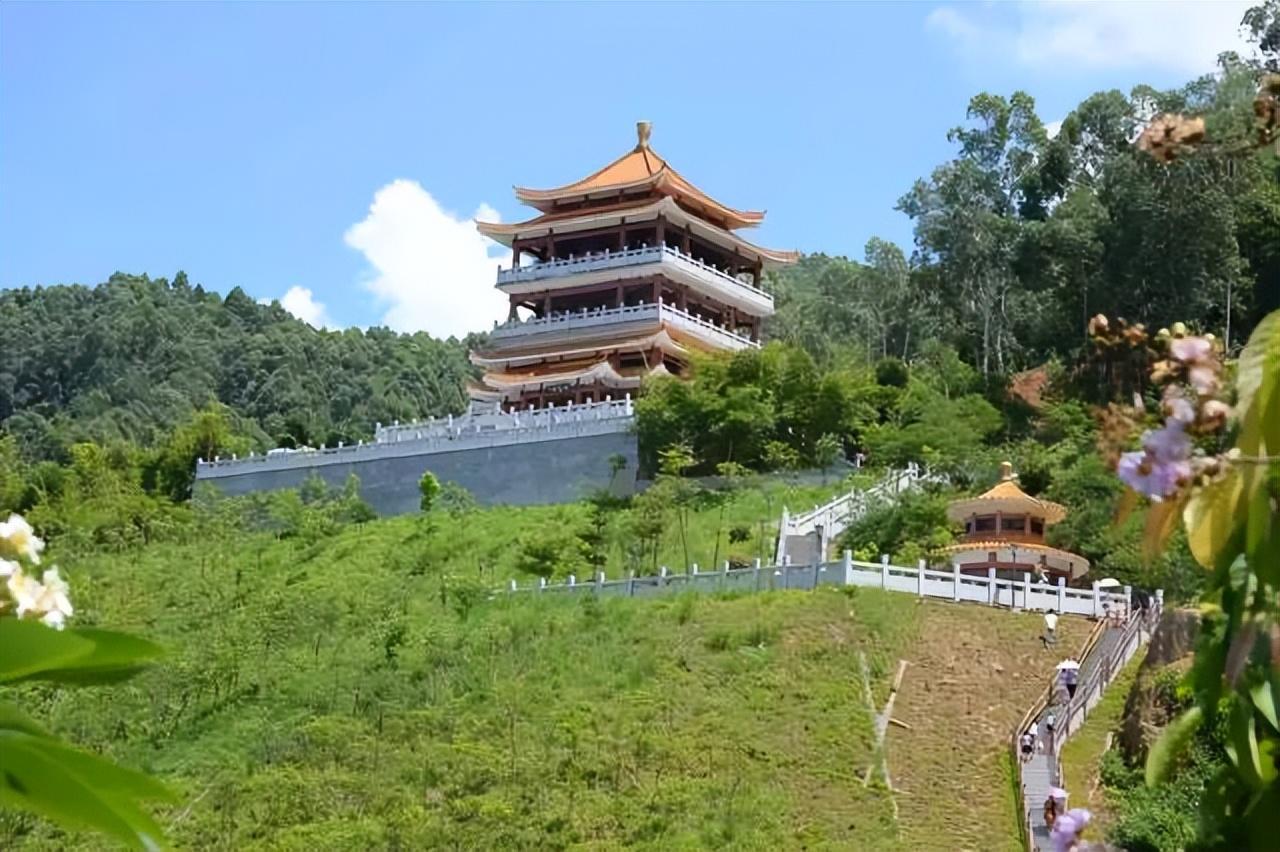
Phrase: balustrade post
{"type": "Point", "coordinates": [631, 584]}
{"type": "Point", "coordinates": [756, 575]}
{"type": "Point", "coordinates": [993, 591]}
{"type": "Point", "coordinates": [662, 576]}
{"type": "Point", "coordinates": [542, 584]}
{"type": "Point", "coordinates": [1062, 594]}
{"type": "Point", "coordinates": [513, 585]}
{"type": "Point", "coordinates": [847, 560]}
{"type": "Point", "coordinates": [1097, 599]}
{"type": "Point", "coordinates": [1026, 591]}
{"type": "Point", "coordinates": [724, 575]}
{"type": "Point", "coordinates": [599, 583]}
{"type": "Point", "coordinates": [884, 570]}
{"type": "Point", "coordinates": [955, 581]}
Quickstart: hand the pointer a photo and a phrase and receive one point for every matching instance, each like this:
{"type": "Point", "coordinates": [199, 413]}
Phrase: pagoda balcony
{"type": "Point", "coordinates": [638, 262]}
{"type": "Point", "coordinates": [717, 336]}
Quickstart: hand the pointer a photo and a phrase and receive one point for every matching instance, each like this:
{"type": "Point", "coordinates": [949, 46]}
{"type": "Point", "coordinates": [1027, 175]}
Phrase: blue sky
{"type": "Point", "coordinates": [337, 152]}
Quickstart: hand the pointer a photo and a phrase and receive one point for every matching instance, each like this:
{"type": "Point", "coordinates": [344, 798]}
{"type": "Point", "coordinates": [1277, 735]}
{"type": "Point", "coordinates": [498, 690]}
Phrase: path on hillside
{"type": "Point", "coordinates": [1041, 772]}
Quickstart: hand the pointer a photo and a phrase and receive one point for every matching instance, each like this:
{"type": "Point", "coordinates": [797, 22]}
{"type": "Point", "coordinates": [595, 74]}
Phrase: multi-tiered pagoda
{"type": "Point", "coordinates": [622, 275]}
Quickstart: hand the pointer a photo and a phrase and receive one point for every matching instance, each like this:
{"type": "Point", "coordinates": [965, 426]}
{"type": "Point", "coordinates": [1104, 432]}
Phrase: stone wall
{"type": "Point", "coordinates": [554, 470]}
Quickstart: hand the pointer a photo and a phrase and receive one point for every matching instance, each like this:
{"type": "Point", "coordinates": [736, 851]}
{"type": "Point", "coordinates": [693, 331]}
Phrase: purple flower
{"type": "Point", "coordinates": [1169, 444]}
{"type": "Point", "coordinates": [1191, 350]}
{"type": "Point", "coordinates": [1179, 410]}
{"type": "Point", "coordinates": [1162, 466]}
{"type": "Point", "coordinates": [1204, 379]}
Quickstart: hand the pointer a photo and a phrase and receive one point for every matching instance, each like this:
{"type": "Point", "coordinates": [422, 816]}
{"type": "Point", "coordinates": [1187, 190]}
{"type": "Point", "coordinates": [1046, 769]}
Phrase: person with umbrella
{"type": "Point", "coordinates": [1069, 676]}
{"type": "Point", "coordinates": [1068, 830]}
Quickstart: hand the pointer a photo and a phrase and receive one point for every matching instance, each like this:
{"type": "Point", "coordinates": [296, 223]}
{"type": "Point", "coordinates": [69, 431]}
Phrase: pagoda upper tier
{"type": "Point", "coordinates": [637, 187]}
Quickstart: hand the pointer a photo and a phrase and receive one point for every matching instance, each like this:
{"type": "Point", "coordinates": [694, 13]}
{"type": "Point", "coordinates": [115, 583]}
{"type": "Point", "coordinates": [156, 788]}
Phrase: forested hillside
{"type": "Point", "coordinates": [1022, 237]}
{"type": "Point", "coordinates": [132, 358]}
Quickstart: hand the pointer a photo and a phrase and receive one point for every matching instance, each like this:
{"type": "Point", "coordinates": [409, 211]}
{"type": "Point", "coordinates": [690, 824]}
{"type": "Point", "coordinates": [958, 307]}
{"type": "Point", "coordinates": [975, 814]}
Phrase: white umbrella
{"type": "Point", "coordinates": [1068, 664]}
{"type": "Point", "coordinates": [1108, 583]}
{"type": "Point", "coordinates": [1057, 793]}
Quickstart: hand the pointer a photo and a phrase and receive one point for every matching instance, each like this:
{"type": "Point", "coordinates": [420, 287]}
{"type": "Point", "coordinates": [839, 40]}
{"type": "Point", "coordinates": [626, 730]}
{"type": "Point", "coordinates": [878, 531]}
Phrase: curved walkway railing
{"type": "Point", "coordinates": [1104, 654]}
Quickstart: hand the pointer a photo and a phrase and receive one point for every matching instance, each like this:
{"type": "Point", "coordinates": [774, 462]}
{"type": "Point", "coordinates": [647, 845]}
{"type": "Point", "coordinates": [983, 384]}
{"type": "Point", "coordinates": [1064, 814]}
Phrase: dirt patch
{"type": "Point", "coordinates": [969, 682]}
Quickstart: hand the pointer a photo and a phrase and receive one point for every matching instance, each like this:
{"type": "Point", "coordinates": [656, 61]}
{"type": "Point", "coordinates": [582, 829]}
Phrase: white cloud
{"type": "Point", "coordinates": [1183, 37]}
{"type": "Point", "coordinates": [431, 269]}
{"type": "Point", "coordinates": [301, 302]}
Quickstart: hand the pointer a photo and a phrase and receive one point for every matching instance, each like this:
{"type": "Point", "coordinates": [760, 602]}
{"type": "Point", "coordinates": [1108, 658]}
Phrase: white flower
{"type": "Point", "coordinates": [7, 568]}
{"type": "Point", "coordinates": [53, 601]}
{"type": "Point", "coordinates": [54, 619]}
{"type": "Point", "coordinates": [22, 539]}
{"type": "Point", "coordinates": [26, 592]}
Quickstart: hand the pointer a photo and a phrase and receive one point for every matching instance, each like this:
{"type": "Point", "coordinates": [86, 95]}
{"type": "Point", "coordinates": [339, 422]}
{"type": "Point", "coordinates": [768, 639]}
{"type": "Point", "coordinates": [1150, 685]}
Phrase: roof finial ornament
{"type": "Point", "coordinates": [643, 129]}
{"type": "Point", "coordinates": [1006, 472]}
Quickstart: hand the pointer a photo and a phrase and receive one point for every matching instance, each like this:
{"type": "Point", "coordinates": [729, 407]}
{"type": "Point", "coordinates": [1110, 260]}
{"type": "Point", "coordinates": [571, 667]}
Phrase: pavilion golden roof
{"type": "Point", "coordinates": [1005, 496]}
{"type": "Point", "coordinates": [640, 170]}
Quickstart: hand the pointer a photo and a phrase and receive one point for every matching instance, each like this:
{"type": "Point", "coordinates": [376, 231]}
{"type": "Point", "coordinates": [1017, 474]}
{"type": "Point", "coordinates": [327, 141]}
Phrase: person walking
{"type": "Point", "coordinates": [1050, 637]}
{"type": "Point", "coordinates": [1028, 746]}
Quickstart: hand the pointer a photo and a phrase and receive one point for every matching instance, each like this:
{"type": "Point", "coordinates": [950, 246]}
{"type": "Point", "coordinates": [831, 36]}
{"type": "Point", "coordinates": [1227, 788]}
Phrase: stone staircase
{"type": "Point", "coordinates": [807, 538]}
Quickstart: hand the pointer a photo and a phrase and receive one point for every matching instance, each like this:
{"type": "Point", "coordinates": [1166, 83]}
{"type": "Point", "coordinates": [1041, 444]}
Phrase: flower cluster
{"type": "Point", "coordinates": [1266, 110]}
{"type": "Point", "coordinates": [1170, 134]}
{"type": "Point", "coordinates": [45, 598]}
{"type": "Point", "coordinates": [1191, 373]}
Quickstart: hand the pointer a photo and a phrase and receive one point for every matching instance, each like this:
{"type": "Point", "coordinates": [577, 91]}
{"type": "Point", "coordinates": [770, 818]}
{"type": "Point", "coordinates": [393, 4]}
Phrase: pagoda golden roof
{"type": "Point", "coordinates": [1006, 497]}
{"type": "Point", "coordinates": [640, 170]}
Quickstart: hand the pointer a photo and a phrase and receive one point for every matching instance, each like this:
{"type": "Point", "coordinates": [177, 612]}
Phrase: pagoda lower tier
{"type": "Point", "coordinates": [591, 356]}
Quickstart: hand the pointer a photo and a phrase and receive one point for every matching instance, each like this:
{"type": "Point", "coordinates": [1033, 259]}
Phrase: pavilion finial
{"type": "Point", "coordinates": [1006, 472]}
{"type": "Point", "coordinates": [643, 130]}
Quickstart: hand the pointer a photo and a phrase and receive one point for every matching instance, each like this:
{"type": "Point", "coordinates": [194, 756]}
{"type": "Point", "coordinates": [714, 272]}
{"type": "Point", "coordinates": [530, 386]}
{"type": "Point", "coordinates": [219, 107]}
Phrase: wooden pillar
{"type": "Point", "coordinates": [617, 296]}
{"type": "Point", "coordinates": [546, 304]}
{"type": "Point", "coordinates": [682, 299]}
{"type": "Point", "coordinates": [756, 272]}
{"type": "Point", "coordinates": [661, 237]}
{"type": "Point", "coordinates": [515, 256]}
{"type": "Point", "coordinates": [515, 303]}
{"type": "Point", "coordinates": [731, 319]}
{"type": "Point", "coordinates": [686, 246]}
{"type": "Point", "coordinates": [622, 237]}
{"type": "Point", "coordinates": [657, 290]}
{"type": "Point", "coordinates": [551, 246]}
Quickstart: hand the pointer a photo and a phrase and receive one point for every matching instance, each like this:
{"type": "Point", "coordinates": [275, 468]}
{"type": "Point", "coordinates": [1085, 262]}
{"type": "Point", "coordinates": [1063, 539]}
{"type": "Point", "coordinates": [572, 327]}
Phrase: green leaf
{"type": "Point", "coordinates": [13, 719]}
{"type": "Point", "coordinates": [1171, 744]}
{"type": "Point", "coordinates": [1263, 696]}
{"type": "Point", "coordinates": [1242, 743]}
{"type": "Point", "coordinates": [1258, 373]}
{"type": "Point", "coordinates": [114, 656]}
{"type": "Point", "coordinates": [28, 647]}
{"type": "Point", "coordinates": [1212, 517]}
{"type": "Point", "coordinates": [39, 777]}
{"type": "Point", "coordinates": [31, 651]}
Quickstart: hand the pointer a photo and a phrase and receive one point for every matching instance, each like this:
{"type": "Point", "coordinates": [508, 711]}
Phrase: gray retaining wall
{"type": "Point", "coordinates": [554, 470]}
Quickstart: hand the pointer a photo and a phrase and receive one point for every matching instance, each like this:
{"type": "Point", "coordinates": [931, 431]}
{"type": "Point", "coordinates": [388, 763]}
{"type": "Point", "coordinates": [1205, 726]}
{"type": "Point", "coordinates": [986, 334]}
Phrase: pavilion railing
{"type": "Point", "coordinates": [628, 257]}
{"type": "Point", "coordinates": [651, 311]}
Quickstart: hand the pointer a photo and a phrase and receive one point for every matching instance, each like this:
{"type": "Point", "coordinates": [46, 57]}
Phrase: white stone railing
{"type": "Point", "coordinates": [491, 429]}
{"type": "Point", "coordinates": [618, 259]}
{"type": "Point", "coordinates": [494, 419]}
{"type": "Point", "coordinates": [952, 585]}
{"type": "Point", "coordinates": [571, 320]}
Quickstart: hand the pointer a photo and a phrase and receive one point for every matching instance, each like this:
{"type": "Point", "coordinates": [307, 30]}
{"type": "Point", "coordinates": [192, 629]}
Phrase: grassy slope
{"type": "Point", "coordinates": [320, 696]}
{"type": "Point", "coordinates": [1082, 754]}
